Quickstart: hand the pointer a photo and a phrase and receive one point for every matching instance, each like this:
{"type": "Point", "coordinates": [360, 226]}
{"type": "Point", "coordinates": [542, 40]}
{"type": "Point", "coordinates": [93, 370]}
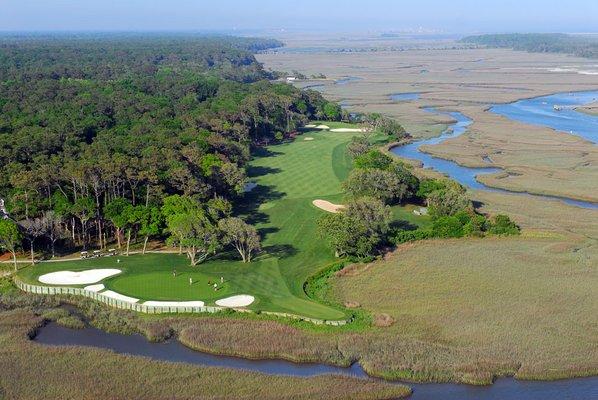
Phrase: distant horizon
{"type": "Point", "coordinates": [273, 33]}
{"type": "Point", "coordinates": [459, 17]}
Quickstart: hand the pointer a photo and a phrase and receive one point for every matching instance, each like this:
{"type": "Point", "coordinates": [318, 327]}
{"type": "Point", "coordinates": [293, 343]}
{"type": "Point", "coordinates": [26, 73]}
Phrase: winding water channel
{"type": "Point", "coordinates": [556, 111]}
{"type": "Point", "coordinates": [538, 111]}
{"type": "Point", "coordinates": [173, 351]}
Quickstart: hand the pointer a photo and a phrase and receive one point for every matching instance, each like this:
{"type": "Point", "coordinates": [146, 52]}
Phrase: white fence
{"type": "Point", "coordinates": [142, 308]}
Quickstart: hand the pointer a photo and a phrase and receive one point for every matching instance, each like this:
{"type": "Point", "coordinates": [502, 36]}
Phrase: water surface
{"type": "Point", "coordinates": [319, 87]}
{"type": "Point", "coordinates": [404, 96]}
{"type": "Point", "coordinates": [347, 79]}
{"type": "Point", "coordinates": [173, 351]}
{"type": "Point", "coordinates": [466, 176]}
{"type": "Point", "coordinates": [541, 111]}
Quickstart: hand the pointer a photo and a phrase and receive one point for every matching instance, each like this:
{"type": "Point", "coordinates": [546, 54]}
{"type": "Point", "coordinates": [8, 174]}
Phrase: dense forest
{"type": "Point", "coordinates": [578, 45]}
{"type": "Point", "coordinates": [104, 137]}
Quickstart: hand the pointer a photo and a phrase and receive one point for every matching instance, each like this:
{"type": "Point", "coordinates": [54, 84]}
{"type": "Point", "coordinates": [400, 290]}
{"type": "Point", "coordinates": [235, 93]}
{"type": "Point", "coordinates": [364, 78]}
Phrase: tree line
{"type": "Point", "coordinates": [96, 133]}
{"type": "Point", "coordinates": [579, 45]}
{"type": "Point", "coordinates": [377, 181]}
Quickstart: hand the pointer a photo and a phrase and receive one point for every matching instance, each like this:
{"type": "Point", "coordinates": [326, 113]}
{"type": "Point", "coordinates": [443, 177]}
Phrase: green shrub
{"type": "Point", "coordinates": [373, 159]}
{"type": "Point", "coordinates": [476, 225]}
{"type": "Point", "coordinates": [427, 186]}
{"type": "Point", "coordinates": [448, 226]}
{"type": "Point", "coordinates": [410, 236]}
{"type": "Point", "coordinates": [502, 225]}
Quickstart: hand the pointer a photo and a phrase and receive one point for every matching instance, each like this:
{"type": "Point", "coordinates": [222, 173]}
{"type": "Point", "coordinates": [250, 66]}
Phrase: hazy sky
{"type": "Point", "coordinates": [456, 16]}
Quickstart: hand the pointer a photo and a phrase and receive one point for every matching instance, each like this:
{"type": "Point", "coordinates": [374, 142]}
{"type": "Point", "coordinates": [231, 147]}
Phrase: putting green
{"type": "Point", "coordinates": [289, 177]}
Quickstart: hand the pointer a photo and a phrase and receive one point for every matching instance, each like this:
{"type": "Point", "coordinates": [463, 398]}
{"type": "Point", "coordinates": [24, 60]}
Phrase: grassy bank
{"type": "Point", "coordinates": [591, 109]}
{"type": "Point", "coordinates": [493, 314]}
{"type": "Point", "coordinates": [34, 371]}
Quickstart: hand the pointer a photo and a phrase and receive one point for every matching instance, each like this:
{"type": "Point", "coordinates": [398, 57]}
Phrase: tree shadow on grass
{"type": "Point", "coordinates": [263, 152]}
{"type": "Point", "coordinates": [255, 171]}
{"type": "Point", "coordinates": [264, 232]}
{"type": "Point", "coordinates": [230, 255]}
{"type": "Point", "coordinates": [281, 250]}
{"type": "Point", "coordinates": [403, 226]}
{"type": "Point", "coordinates": [477, 204]}
{"type": "Point", "coordinates": [249, 206]}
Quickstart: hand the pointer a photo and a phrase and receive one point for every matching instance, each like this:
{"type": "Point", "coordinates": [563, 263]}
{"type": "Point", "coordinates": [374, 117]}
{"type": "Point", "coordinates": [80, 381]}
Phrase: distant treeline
{"type": "Point", "coordinates": [107, 56]}
{"type": "Point", "coordinates": [578, 45]}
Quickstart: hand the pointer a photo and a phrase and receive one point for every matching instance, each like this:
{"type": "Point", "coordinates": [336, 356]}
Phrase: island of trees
{"type": "Point", "coordinates": [364, 228]}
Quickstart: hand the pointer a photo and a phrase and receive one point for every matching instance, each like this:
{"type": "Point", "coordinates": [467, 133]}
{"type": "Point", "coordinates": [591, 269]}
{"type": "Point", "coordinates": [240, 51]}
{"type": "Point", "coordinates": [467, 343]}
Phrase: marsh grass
{"type": "Point", "coordinates": [470, 310]}
{"type": "Point", "coordinates": [33, 371]}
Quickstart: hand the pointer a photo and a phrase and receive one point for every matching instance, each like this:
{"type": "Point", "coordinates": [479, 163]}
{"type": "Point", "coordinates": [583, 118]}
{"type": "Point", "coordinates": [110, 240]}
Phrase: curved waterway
{"type": "Point", "coordinates": [556, 111]}
{"type": "Point", "coordinates": [467, 175]}
{"type": "Point", "coordinates": [173, 351]}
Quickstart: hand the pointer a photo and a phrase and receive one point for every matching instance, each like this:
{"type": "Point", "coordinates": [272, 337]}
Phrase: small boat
{"type": "Point", "coordinates": [557, 108]}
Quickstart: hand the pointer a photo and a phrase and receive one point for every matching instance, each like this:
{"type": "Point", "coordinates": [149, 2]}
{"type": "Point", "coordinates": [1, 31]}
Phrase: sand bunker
{"type": "Point", "coordinates": [174, 303]}
{"type": "Point", "coordinates": [95, 288]}
{"type": "Point", "coordinates": [308, 138]}
{"type": "Point", "coordinates": [118, 296]}
{"type": "Point", "coordinates": [77, 278]}
{"type": "Point", "coordinates": [322, 127]}
{"type": "Point", "coordinates": [310, 126]}
{"type": "Point", "coordinates": [241, 300]}
{"type": "Point", "coordinates": [328, 206]}
{"type": "Point", "coordinates": [347, 130]}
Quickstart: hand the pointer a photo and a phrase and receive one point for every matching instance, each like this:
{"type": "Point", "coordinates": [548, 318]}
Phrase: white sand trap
{"type": "Point", "coordinates": [347, 130]}
{"type": "Point", "coordinates": [79, 277]}
{"type": "Point", "coordinates": [174, 303]}
{"type": "Point", "coordinates": [322, 127]}
{"type": "Point", "coordinates": [118, 296]}
{"type": "Point", "coordinates": [310, 126]}
{"type": "Point", "coordinates": [95, 288]}
{"type": "Point", "coordinates": [240, 300]}
{"type": "Point", "coordinates": [328, 206]}
{"type": "Point", "coordinates": [308, 138]}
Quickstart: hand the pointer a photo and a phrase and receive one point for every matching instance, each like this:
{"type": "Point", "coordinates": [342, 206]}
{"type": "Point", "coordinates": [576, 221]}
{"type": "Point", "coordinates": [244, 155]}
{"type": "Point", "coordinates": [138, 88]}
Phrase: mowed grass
{"type": "Point", "coordinates": [289, 177]}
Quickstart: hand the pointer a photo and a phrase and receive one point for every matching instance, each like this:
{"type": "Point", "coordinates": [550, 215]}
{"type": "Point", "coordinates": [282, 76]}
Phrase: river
{"type": "Point", "coordinates": [173, 351]}
{"type": "Point", "coordinates": [584, 125]}
{"type": "Point", "coordinates": [541, 111]}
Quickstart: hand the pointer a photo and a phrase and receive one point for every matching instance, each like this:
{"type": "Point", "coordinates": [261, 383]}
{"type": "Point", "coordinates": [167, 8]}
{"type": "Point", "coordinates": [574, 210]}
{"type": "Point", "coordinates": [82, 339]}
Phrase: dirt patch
{"type": "Point", "coordinates": [353, 270]}
{"type": "Point", "coordinates": [352, 304]}
{"type": "Point", "coordinates": [383, 320]}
